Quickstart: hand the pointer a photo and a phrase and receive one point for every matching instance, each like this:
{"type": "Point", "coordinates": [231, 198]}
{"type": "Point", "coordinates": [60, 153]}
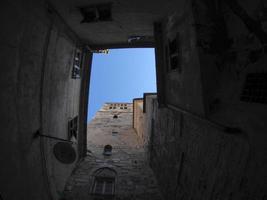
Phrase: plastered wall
{"type": "Point", "coordinates": [37, 94]}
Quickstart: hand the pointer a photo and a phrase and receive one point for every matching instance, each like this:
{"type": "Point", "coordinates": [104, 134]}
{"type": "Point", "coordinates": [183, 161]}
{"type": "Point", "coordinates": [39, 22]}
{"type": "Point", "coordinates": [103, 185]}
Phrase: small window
{"type": "Point", "coordinates": [76, 65]}
{"type": "Point", "coordinates": [73, 128]}
{"type": "Point", "coordinates": [110, 107]}
{"type": "Point", "coordinates": [114, 133]}
{"type": "Point", "coordinates": [115, 116]}
{"type": "Point", "coordinates": [104, 183]}
{"type": "Point", "coordinates": [96, 13]}
{"type": "Point", "coordinates": [104, 186]}
{"type": "Point", "coordinates": [121, 107]}
{"type": "Point", "coordinates": [125, 107]}
{"type": "Point", "coordinates": [174, 54]}
{"type": "Point", "coordinates": [107, 150]}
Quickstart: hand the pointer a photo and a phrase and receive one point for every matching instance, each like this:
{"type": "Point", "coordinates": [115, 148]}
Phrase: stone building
{"type": "Point", "coordinates": [115, 166]}
{"type": "Point", "coordinates": [204, 133]}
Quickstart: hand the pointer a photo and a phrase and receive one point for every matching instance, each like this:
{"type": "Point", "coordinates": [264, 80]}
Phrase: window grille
{"type": "Point", "coordinates": [73, 128]}
{"type": "Point", "coordinates": [255, 88]}
{"type": "Point", "coordinates": [96, 13]}
{"type": "Point", "coordinates": [76, 70]}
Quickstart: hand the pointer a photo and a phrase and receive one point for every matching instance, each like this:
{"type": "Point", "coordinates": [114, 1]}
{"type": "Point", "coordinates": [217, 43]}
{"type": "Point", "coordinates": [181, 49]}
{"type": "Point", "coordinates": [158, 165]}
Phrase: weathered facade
{"type": "Point", "coordinates": [208, 123]}
{"type": "Point", "coordinates": [132, 179]}
{"type": "Point", "coordinates": [39, 96]}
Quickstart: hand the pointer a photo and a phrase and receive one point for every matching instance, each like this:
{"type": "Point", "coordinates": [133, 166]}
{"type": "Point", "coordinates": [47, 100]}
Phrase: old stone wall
{"type": "Point", "coordinates": [134, 179]}
{"type": "Point", "coordinates": [193, 159]}
{"type": "Point", "coordinates": [37, 96]}
{"type": "Point", "coordinates": [217, 150]}
{"type": "Point", "coordinates": [231, 41]}
{"type": "Point", "coordinates": [180, 67]}
{"type": "Point", "coordinates": [138, 119]}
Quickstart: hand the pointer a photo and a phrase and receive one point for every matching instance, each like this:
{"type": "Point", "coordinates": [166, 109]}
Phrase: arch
{"type": "Point", "coordinates": [115, 116]}
{"type": "Point", "coordinates": [107, 150]}
{"type": "Point", "coordinates": [105, 172]}
{"type": "Point", "coordinates": [104, 181]}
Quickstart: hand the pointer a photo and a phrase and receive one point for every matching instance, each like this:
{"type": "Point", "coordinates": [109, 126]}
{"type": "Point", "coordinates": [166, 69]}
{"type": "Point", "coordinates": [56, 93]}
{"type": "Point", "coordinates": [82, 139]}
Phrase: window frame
{"type": "Point", "coordinates": [173, 53]}
{"type": "Point", "coordinates": [77, 61]}
{"type": "Point", "coordinates": [73, 127]}
{"type": "Point", "coordinates": [104, 181]}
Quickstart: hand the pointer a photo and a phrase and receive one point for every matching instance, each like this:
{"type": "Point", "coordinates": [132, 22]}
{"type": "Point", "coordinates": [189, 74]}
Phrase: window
{"type": "Point", "coordinates": [115, 117]}
{"type": "Point", "coordinates": [76, 65]}
{"type": "Point", "coordinates": [121, 107]}
{"type": "Point", "coordinates": [73, 128]}
{"type": "Point", "coordinates": [96, 13]}
{"type": "Point", "coordinates": [255, 88]}
{"type": "Point", "coordinates": [114, 133]}
{"type": "Point", "coordinates": [110, 107]}
{"type": "Point", "coordinates": [104, 186]}
{"type": "Point", "coordinates": [114, 107]}
{"type": "Point", "coordinates": [104, 183]}
{"type": "Point", "coordinates": [174, 55]}
{"type": "Point", "coordinates": [107, 150]}
{"type": "Point", "coordinates": [125, 107]}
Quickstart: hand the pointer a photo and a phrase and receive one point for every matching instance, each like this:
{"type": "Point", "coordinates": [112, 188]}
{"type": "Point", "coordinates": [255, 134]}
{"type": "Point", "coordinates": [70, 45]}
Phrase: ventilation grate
{"type": "Point", "coordinates": [96, 13]}
{"type": "Point", "coordinates": [255, 88]}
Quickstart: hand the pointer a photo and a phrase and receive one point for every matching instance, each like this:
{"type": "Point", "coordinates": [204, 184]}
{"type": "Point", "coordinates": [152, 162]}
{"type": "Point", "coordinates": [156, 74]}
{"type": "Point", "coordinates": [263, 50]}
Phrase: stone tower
{"type": "Point", "coordinates": [115, 167]}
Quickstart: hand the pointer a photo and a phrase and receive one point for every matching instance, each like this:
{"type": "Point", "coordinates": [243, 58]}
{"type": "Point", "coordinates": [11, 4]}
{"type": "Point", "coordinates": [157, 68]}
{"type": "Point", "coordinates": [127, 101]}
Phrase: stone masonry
{"type": "Point", "coordinates": [134, 179]}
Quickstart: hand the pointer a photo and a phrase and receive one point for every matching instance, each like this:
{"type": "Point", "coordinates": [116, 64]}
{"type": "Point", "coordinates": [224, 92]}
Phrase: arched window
{"type": "Point", "coordinates": [104, 182]}
{"type": "Point", "coordinates": [107, 150]}
{"type": "Point", "coordinates": [115, 116]}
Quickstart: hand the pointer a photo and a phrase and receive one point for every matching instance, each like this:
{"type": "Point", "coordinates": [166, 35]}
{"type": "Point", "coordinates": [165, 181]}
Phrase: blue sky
{"type": "Point", "coordinates": [120, 76]}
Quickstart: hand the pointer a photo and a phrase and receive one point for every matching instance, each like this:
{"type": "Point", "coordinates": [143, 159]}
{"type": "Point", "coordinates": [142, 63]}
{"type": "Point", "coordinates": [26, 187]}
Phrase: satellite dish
{"type": "Point", "coordinates": [64, 152]}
